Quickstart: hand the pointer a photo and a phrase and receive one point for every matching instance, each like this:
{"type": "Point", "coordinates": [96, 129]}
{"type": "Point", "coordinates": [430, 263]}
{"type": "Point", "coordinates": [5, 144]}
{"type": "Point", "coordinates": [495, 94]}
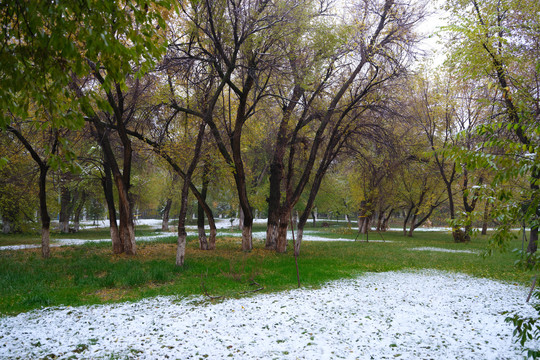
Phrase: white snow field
{"type": "Point", "coordinates": [395, 315]}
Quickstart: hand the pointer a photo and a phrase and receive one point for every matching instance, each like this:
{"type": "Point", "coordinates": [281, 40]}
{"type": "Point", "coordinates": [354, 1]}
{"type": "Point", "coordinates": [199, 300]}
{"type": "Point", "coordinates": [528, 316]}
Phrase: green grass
{"type": "Point", "coordinates": [91, 274]}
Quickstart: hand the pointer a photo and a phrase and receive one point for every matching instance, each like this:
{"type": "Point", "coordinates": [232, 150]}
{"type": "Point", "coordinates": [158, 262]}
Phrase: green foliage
{"type": "Point", "coordinates": [527, 328]}
{"type": "Point", "coordinates": [45, 45]}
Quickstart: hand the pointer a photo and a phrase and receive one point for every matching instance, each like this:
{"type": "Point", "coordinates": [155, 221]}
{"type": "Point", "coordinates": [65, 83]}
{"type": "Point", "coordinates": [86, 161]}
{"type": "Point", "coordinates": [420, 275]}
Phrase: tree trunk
{"type": "Point", "coordinates": [413, 224]}
{"type": "Point", "coordinates": [240, 219]}
{"type": "Point", "coordinates": [107, 184]}
{"type": "Point", "coordinates": [380, 219]}
{"type": "Point", "coordinates": [127, 230]}
{"type": "Point", "coordinates": [165, 217]}
{"type": "Point", "coordinates": [314, 215]}
{"type": "Point", "coordinates": [44, 213]}
{"type": "Point", "coordinates": [203, 241]}
{"type": "Point", "coordinates": [181, 244]}
{"type": "Point", "coordinates": [299, 238]}
{"type": "Point", "coordinates": [386, 220]}
{"type": "Point", "coordinates": [533, 241]}
{"type": "Point", "coordinates": [78, 211]}
{"type": "Point", "coordinates": [65, 200]}
{"type": "Point", "coordinates": [406, 220]}
{"type": "Point", "coordinates": [281, 246]}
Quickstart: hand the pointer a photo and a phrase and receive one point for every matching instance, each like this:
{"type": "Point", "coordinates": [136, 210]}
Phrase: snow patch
{"type": "Point", "coordinates": [428, 248]}
{"type": "Point", "coordinates": [409, 315]}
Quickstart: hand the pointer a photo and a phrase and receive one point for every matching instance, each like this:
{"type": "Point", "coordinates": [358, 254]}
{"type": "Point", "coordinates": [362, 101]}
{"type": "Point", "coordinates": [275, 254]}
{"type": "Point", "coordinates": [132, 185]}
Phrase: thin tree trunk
{"type": "Point", "coordinates": [44, 213]}
{"type": "Point", "coordinates": [78, 211]}
{"type": "Point", "coordinates": [165, 217]}
{"type": "Point", "coordinates": [181, 244]}
{"type": "Point", "coordinates": [533, 240]}
{"type": "Point", "coordinates": [386, 220]}
{"type": "Point", "coordinates": [106, 181]}
{"type": "Point", "coordinates": [203, 241]}
{"type": "Point", "coordinates": [65, 200]}
{"type": "Point", "coordinates": [406, 220]}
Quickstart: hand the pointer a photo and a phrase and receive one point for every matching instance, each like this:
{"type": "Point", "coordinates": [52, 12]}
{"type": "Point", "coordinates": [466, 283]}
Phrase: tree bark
{"type": "Point", "coordinates": [165, 217]}
{"type": "Point", "coordinates": [107, 184]}
{"type": "Point", "coordinates": [203, 241]}
{"type": "Point", "coordinates": [44, 213]}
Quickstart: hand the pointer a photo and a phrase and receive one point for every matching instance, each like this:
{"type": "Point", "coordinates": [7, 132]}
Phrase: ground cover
{"type": "Point", "coordinates": [91, 274]}
{"type": "Point", "coordinates": [424, 314]}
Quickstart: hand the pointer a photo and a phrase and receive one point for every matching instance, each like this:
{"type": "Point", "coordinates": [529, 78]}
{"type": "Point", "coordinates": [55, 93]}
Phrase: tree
{"type": "Point", "coordinates": [496, 43]}
{"type": "Point", "coordinates": [17, 187]}
{"type": "Point", "coordinates": [47, 46]}
{"type": "Point", "coordinates": [44, 150]}
{"type": "Point", "coordinates": [230, 48]}
{"type": "Point", "coordinates": [448, 115]}
{"type": "Point", "coordinates": [380, 47]}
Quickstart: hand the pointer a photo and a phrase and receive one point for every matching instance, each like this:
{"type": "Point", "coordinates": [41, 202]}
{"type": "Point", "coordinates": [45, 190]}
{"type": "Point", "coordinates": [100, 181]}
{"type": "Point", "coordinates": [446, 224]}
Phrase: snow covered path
{"type": "Point", "coordinates": [405, 315]}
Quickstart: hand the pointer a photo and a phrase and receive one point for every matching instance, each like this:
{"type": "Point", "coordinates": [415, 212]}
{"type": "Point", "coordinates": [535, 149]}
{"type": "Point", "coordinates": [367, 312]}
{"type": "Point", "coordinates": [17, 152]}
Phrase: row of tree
{"type": "Point", "coordinates": [260, 100]}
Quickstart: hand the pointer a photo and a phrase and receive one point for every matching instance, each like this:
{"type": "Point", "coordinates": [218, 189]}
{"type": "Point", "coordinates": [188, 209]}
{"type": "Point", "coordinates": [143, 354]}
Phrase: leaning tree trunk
{"type": "Point", "coordinates": [406, 220]}
{"type": "Point", "coordinates": [165, 218]}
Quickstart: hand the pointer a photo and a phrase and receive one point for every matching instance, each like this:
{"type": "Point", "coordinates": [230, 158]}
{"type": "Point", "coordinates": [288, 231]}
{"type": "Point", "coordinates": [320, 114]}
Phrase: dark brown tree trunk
{"type": "Point", "coordinates": [533, 241]}
{"type": "Point", "coordinates": [107, 183]}
{"type": "Point", "coordinates": [122, 182]}
{"type": "Point", "coordinates": [165, 217]}
{"type": "Point", "coordinates": [203, 241]}
{"type": "Point", "coordinates": [44, 213]}
{"type": "Point", "coordinates": [277, 169]}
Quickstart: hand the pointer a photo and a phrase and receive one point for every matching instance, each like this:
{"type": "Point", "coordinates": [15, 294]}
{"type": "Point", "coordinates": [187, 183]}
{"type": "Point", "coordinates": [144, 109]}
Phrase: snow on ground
{"type": "Point", "coordinates": [64, 242]}
{"type": "Point", "coordinates": [428, 248]}
{"type": "Point", "coordinates": [406, 315]}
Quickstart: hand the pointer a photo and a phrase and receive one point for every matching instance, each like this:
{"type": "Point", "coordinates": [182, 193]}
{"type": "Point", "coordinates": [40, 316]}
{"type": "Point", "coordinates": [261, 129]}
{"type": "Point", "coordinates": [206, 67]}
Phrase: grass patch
{"type": "Point", "coordinates": [91, 274]}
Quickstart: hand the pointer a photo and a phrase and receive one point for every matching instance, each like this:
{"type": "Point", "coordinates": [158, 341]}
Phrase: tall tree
{"type": "Point", "coordinates": [496, 43]}
{"type": "Point", "coordinates": [376, 52]}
